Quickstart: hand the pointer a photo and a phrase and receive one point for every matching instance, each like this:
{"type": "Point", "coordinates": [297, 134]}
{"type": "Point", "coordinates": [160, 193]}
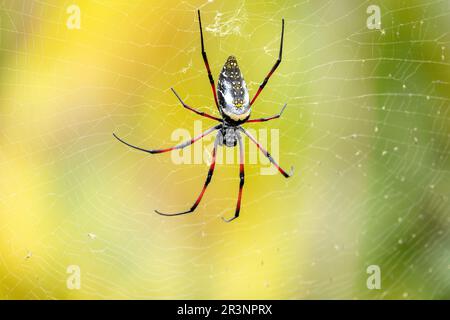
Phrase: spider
{"type": "Point", "coordinates": [233, 103]}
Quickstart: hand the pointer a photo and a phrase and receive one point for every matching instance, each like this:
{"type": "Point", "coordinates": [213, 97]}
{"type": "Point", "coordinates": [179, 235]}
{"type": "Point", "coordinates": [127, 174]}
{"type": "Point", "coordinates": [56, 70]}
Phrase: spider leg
{"type": "Point", "coordinates": [275, 66]}
{"type": "Point", "coordinates": [207, 181]}
{"type": "Point", "coordinates": [178, 146]}
{"type": "Point", "coordinates": [205, 60]}
{"type": "Point", "coordinates": [241, 180]}
{"type": "Point", "coordinates": [203, 114]}
{"type": "Point", "coordinates": [269, 118]}
{"type": "Point", "coordinates": [267, 154]}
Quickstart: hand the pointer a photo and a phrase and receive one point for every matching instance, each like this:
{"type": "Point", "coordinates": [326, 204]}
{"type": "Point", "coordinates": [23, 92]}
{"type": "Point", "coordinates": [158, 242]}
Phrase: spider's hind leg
{"type": "Point", "coordinates": [205, 60]}
{"type": "Point", "coordinates": [203, 114]}
{"type": "Point", "coordinates": [269, 118]}
{"type": "Point", "coordinates": [275, 66]}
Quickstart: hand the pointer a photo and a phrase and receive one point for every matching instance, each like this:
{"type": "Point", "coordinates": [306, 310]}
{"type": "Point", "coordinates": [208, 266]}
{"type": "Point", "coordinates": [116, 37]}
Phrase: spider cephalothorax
{"type": "Point", "coordinates": [228, 136]}
{"type": "Point", "coordinates": [232, 101]}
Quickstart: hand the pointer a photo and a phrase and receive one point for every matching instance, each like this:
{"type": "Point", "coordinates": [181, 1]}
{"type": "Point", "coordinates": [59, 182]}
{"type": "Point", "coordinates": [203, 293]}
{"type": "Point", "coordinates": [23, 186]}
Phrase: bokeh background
{"type": "Point", "coordinates": [367, 129]}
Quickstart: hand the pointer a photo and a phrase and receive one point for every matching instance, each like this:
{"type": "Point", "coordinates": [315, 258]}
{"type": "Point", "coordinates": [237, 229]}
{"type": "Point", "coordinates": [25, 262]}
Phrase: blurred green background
{"type": "Point", "coordinates": [367, 129]}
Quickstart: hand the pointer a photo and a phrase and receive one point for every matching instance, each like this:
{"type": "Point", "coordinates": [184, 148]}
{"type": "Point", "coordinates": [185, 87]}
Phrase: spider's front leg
{"type": "Point", "coordinates": [208, 180]}
{"type": "Point", "coordinates": [241, 180]}
{"type": "Point", "coordinates": [267, 154]}
{"type": "Point", "coordinates": [178, 146]}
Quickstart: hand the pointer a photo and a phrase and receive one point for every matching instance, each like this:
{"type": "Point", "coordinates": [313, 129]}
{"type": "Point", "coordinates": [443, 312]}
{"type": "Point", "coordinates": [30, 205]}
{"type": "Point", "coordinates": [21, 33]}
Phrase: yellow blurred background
{"type": "Point", "coordinates": [367, 129]}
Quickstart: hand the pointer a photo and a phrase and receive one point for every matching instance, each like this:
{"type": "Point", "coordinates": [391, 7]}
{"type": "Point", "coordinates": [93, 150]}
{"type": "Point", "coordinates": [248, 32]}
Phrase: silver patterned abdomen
{"type": "Point", "coordinates": [232, 93]}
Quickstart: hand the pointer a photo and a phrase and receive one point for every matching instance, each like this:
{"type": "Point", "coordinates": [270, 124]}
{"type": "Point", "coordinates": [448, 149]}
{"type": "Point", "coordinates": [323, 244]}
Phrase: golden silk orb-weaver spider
{"type": "Point", "coordinates": [232, 101]}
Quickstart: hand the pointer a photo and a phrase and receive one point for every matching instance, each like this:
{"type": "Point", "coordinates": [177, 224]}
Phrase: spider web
{"type": "Point", "coordinates": [367, 129]}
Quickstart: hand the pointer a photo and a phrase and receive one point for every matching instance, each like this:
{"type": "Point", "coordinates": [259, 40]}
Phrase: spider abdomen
{"type": "Point", "coordinates": [232, 93]}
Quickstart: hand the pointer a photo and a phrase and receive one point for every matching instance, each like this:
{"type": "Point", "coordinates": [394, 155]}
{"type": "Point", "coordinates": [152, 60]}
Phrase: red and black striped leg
{"type": "Point", "coordinates": [205, 59]}
{"type": "Point", "coordinates": [241, 180]}
{"type": "Point", "coordinates": [270, 118]}
{"type": "Point", "coordinates": [208, 180]}
{"type": "Point", "coordinates": [203, 114]}
{"type": "Point", "coordinates": [267, 154]}
{"type": "Point", "coordinates": [179, 146]}
{"type": "Point", "coordinates": [275, 66]}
